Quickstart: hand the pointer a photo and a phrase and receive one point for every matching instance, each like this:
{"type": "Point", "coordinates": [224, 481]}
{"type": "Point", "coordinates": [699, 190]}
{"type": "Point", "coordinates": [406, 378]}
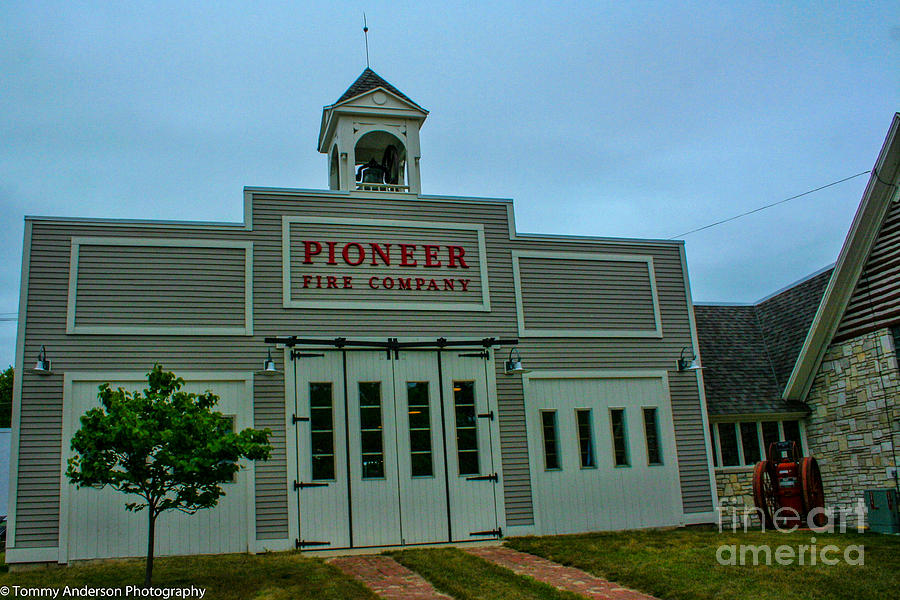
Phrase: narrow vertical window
{"type": "Point", "coordinates": [466, 427]}
{"type": "Point", "coordinates": [792, 433]}
{"type": "Point", "coordinates": [728, 443]}
{"type": "Point", "coordinates": [321, 431]}
{"type": "Point", "coordinates": [371, 440]}
{"type": "Point", "coordinates": [651, 432]}
{"type": "Point", "coordinates": [750, 443]}
{"type": "Point", "coordinates": [712, 440]}
{"type": "Point", "coordinates": [770, 435]}
{"type": "Point", "coordinates": [620, 442]}
{"type": "Point", "coordinates": [585, 438]}
{"type": "Point", "coordinates": [419, 428]}
{"type": "Point", "coordinates": [551, 447]}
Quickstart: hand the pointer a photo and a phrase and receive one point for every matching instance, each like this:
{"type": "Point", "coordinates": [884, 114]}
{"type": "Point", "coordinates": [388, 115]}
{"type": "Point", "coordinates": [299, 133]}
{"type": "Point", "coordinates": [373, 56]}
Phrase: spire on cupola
{"type": "Point", "coordinates": [371, 137]}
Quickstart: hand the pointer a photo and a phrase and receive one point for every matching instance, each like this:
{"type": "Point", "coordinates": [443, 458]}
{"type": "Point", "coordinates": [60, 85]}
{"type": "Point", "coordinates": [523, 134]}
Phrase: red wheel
{"type": "Point", "coordinates": [813, 492]}
{"type": "Point", "coordinates": [764, 491]}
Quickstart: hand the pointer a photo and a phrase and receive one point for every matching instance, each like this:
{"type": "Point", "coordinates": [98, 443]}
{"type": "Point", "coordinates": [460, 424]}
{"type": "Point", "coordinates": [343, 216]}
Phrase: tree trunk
{"type": "Point", "coordinates": [152, 526]}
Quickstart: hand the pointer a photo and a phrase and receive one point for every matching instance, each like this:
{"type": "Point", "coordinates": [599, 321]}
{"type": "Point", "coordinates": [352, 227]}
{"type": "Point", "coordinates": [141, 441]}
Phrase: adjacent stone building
{"type": "Point", "coordinates": [816, 362]}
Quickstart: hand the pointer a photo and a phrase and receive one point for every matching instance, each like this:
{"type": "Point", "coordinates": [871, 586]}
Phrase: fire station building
{"type": "Point", "coordinates": [437, 376]}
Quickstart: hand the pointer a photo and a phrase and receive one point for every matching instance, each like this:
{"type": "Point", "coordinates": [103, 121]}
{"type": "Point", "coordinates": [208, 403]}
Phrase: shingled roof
{"type": "Point", "coordinates": [748, 352]}
{"type": "Point", "coordinates": [367, 81]}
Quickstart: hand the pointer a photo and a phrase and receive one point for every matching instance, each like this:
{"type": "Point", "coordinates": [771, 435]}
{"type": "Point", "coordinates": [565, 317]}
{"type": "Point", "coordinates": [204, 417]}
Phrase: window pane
{"type": "Point", "coordinates": [585, 438]}
{"type": "Point", "coordinates": [651, 430]}
{"type": "Point", "coordinates": [770, 435]}
{"type": "Point", "coordinates": [728, 444]}
{"type": "Point", "coordinates": [750, 443]}
{"type": "Point", "coordinates": [551, 450]}
{"type": "Point", "coordinates": [321, 436]}
{"type": "Point", "coordinates": [371, 440]}
{"type": "Point", "coordinates": [792, 433]}
{"type": "Point", "coordinates": [419, 428]}
{"type": "Point", "coordinates": [712, 440]}
{"type": "Point", "coordinates": [466, 427]}
{"type": "Point", "coordinates": [620, 443]}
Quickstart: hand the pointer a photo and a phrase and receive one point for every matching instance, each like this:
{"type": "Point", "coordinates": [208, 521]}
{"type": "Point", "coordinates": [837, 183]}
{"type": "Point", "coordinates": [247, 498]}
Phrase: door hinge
{"type": "Point", "coordinates": [483, 354]}
{"type": "Point", "coordinates": [491, 477]}
{"type": "Point", "coordinates": [300, 485]}
{"type": "Point", "coordinates": [495, 532]}
{"type": "Point", "coordinates": [295, 354]}
{"type": "Point", "coordinates": [487, 415]}
{"type": "Point", "coordinates": [298, 543]}
{"type": "Point", "coordinates": [295, 419]}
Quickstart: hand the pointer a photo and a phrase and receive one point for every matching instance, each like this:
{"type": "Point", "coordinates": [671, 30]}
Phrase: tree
{"type": "Point", "coordinates": [6, 391]}
{"type": "Point", "coordinates": [170, 448]}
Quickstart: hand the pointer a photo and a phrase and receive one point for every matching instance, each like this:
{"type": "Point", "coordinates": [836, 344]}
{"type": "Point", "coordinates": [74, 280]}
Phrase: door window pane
{"type": "Point", "coordinates": [321, 418]}
{"type": "Point", "coordinates": [419, 428]}
{"type": "Point", "coordinates": [551, 449]}
{"type": "Point", "coordinates": [792, 433]}
{"type": "Point", "coordinates": [466, 427]}
{"type": "Point", "coordinates": [728, 444]}
{"type": "Point", "coordinates": [585, 438]}
{"type": "Point", "coordinates": [750, 443]}
{"type": "Point", "coordinates": [651, 432]}
{"type": "Point", "coordinates": [371, 439]}
{"type": "Point", "coordinates": [770, 435]}
{"type": "Point", "coordinates": [620, 442]}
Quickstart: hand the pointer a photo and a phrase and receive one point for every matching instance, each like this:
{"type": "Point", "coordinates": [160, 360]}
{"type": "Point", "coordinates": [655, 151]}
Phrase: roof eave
{"type": "Point", "coordinates": [414, 111]}
{"type": "Point", "coordinates": [876, 201]}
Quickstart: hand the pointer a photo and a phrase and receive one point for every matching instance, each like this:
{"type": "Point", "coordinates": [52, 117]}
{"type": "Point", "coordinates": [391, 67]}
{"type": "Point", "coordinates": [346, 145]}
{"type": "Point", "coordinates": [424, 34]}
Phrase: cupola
{"type": "Point", "coordinates": [371, 138]}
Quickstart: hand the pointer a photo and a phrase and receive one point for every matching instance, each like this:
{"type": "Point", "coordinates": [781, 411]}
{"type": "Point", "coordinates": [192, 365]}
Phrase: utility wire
{"type": "Point", "coordinates": [756, 210]}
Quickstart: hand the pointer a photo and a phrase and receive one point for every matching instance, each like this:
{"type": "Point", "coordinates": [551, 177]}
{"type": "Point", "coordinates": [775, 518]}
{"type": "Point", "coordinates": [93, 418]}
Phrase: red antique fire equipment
{"type": "Point", "coordinates": [787, 487]}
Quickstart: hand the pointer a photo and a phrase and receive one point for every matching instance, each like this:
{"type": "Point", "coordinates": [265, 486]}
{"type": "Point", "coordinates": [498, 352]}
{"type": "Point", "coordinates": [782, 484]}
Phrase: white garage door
{"type": "Point", "coordinates": [602, 453]}
{"type": "Point", "coordinates": [95, 524]}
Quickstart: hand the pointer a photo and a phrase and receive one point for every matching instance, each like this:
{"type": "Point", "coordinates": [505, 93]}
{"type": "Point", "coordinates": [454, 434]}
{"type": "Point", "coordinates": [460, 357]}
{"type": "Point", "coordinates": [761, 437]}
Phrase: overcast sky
{"type": "Point", "coordinates": [627, 119]}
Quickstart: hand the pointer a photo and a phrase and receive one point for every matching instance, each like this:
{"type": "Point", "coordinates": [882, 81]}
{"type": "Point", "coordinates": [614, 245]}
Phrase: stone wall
{"type": "Point", "coordinates": [850, 430]}
{"type": "Point", "coordinates": [735, 486]}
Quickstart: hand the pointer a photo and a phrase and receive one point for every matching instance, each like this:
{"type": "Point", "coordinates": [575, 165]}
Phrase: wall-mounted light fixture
{"type": "Point", "coordinates": [514, 365]}
{"type": "Point", "coordinates": [42, 366]}
{"type": "Point", "coordinates": [688, 363]}
{"type": "Point", "coordinates": [268, 365]}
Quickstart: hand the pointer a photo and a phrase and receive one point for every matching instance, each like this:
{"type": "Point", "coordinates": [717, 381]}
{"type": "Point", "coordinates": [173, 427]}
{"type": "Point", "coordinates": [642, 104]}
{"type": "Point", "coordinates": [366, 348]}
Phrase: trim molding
{"type": "Point", "coordinates": [701, 384]}
{"type": "Point", "coordinates": [17, 398]}
{"type": "Point", "coordinates": [867, 223]}
{"type": "Point", "coordinates": [289, 302]}
{"type": "Point", "coordinates": [31, 555]}
{"type": "Point", "coordinates": [71, 310]}
{"type": "Point", "coordinates": [525, 331]}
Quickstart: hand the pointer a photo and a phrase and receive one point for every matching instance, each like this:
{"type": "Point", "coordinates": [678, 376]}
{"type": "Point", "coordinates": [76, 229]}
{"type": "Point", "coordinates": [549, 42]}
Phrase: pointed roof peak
{"type": "Point", "coordinates": [367, 81]}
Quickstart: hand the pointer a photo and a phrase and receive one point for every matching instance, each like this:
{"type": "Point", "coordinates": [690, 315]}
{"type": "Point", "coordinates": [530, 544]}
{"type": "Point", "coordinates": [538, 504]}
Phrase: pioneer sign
{"type": "Point", "coordinates": [381, 264]}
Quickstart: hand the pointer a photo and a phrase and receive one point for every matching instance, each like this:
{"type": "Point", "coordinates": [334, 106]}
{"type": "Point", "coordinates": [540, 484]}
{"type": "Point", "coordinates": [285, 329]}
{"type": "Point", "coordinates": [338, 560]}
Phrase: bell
{"type": "Point", "coordinates": [373, 172]}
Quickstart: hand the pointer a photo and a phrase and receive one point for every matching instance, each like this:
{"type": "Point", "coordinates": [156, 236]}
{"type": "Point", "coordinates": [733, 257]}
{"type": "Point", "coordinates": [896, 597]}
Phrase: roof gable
{"type": "Point", "coordinates": [881, 190]}
{"type": "Point", "coordinates": [370, 80]}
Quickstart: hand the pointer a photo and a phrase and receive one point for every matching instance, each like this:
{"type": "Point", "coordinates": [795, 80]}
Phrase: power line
{"type": "Point", "coordinates": [755, 210]}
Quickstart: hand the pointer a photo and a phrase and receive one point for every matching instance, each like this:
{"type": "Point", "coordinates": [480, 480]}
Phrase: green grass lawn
{"type": "Point", "coordinates": [281, 576]}
{"type": "Point", "coordinates": [467, 577]}
{"type": "Point", "coordinates": [681, 564]}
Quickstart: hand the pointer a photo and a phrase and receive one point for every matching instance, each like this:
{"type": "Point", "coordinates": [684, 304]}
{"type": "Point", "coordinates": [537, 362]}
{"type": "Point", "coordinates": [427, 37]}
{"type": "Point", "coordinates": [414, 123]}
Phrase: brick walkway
{"type": "Point", "coordinates": [560, 577]}
{"type": "Point", "coordinates": [387, 578]}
